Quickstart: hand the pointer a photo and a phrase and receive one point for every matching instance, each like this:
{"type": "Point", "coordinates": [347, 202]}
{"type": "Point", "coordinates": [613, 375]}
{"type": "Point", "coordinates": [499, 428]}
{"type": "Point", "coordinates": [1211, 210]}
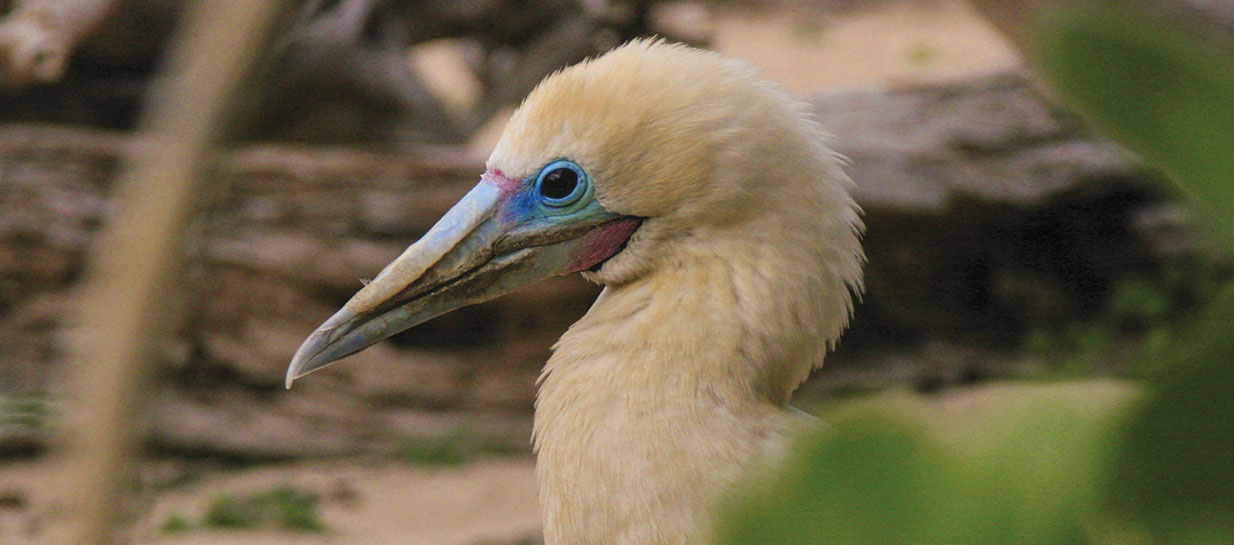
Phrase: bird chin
{"type": "Point", "coordinates": [627, 262]}
{"type": "Point", "coordinates": [616, 236]}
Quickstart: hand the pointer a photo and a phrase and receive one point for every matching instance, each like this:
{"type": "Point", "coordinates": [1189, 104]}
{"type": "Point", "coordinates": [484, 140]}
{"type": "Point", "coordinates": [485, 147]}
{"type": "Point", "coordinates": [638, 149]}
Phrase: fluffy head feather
{"type": "Point", "coordinates": [696, 142]}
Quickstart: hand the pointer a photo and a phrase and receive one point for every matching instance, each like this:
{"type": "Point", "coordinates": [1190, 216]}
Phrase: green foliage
{"type": "Point", "coordinates": [1157, 90]}
{"type": "Point", "coordinates": [1171, 98]}
{"type": "Point", "coordinates": [283, 507]}
{"type": "Point", "coordinates": [1138, 302]}
{"type": "Point", "coordinates": [1144, 310]}
{"type": "Point", "coordinates": [1142, 302]}
{"type": "Point", "coordinates": [430, 451]}
{"type": "Point", "coordinates": [829, 492]}
{"type": "Point", "coordinates": [526, 540]}
{"type": "Point", "coordinates": [1048, 471]}
{"type": "Point", "coordinates": [175, 523]}
{"type": "Point", "coordinates": [1174, 472]}
{"type": "Point", "coordinates": [28, 411]}
{"type": "Point", "coordinates": [1073, 347]}
{"type": "Point", "coordinates": [227, 511]}
{"type": "Point", "coordinates": [454, 448]}
{"type": "Point", "coordinates": [877, 477]}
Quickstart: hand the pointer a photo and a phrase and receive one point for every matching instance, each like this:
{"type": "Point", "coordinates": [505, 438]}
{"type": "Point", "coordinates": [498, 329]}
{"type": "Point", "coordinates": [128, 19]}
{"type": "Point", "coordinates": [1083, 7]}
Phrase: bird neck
{"type": "Point", "coordinates": [669, 388]}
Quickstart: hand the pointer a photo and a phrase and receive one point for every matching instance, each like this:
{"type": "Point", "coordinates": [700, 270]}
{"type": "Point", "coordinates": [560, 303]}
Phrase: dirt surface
{"type": "Point", "coordinates": [362, 502]}
{"type": "Point", "coordinates": [386, 503]}
{"type": "Point", "coordinates": [895, 43]}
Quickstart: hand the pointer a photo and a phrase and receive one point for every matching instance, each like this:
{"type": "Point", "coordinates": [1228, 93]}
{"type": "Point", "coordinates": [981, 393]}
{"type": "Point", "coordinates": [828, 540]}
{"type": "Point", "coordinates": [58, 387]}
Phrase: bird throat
{"type": "Point", "coordinates": [646, 410]}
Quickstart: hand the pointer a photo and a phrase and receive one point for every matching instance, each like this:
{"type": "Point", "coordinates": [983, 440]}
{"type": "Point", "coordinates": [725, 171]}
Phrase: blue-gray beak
{"type": "Point", "coordinates": [487, 245]}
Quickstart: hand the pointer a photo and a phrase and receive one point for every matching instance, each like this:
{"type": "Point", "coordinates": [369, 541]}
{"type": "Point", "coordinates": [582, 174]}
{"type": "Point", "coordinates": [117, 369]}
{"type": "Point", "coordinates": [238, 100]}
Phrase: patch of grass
{"type": "Point", "coordinates": [283, 507]}
{"type": "Point", "coordinates": [430, 451]}
{"type": "Point", "coordinates": [294, 510]}
{"type": "Point", "coordinates": [175, 523]}
{"type": "Point", "coordinates": [526, 540]}
{"type": "Point", "coordinates": [28, 411]}
{"type": "Point", "coordinates": [453, 448]}
{"type": "Point", "coordinates": [500, 447]}
{"type": "Point", "coordinates": [1147, 309]}
{"type": "Point", "coordinates": [228, 511]}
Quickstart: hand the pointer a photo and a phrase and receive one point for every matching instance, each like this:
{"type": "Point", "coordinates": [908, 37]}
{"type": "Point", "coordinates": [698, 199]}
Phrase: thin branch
{"type": "Point", "coordinates": [128, 301]}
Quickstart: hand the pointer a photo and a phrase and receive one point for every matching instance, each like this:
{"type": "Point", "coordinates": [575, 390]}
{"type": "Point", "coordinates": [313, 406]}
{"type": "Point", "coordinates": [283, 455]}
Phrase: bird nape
{"type": "Point", "coordinates": [703, 199]}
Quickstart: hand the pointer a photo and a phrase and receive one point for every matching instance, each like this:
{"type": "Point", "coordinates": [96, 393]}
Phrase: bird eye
{"type": "Point", "coordinates": [561, 183]}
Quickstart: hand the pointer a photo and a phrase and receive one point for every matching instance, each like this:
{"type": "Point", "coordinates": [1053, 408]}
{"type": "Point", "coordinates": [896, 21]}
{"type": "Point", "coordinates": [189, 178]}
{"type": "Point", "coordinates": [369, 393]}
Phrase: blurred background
{"type": "Point", "coordinates": [1008, 243]}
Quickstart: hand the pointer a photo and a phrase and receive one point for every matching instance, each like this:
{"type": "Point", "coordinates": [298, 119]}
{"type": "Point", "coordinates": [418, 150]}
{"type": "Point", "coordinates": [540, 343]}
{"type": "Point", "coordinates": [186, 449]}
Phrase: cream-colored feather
{"type": "Point", "coordinates": [677, 381]}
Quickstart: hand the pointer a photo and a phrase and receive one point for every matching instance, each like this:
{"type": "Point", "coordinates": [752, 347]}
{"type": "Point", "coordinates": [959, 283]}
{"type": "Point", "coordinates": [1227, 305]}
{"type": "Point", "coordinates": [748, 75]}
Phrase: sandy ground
{"type": "Point", "coordinates": [374, 503]}
{"type": "Point", "coordinates": [385, 503]}
{"type": "Point", "coordinates": [903, 42]}
{"type": "Point", "coordinates": [362, 502]}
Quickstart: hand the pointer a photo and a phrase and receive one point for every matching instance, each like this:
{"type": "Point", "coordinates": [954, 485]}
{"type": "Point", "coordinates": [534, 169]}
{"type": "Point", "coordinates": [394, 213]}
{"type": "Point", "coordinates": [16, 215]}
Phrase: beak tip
{"type": "Point", "coordinates": [318, 350]}
{"type": "Point", "coordinates": [301, 363]}
{"type": "Point", "coordinates": [296, 369]}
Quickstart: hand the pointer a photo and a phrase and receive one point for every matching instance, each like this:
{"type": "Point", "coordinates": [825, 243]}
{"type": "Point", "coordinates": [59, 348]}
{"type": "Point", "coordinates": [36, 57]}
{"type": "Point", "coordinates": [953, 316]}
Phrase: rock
{"type": "Point", "coordinates": [988, 208]}
{"type": "Point", "coordinates": [993, 138]}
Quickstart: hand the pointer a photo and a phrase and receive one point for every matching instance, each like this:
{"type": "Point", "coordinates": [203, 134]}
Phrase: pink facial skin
{"type": "Point", "coordinates": [506, 184]}
{"type": "Point", "coordinates": [602, 243]}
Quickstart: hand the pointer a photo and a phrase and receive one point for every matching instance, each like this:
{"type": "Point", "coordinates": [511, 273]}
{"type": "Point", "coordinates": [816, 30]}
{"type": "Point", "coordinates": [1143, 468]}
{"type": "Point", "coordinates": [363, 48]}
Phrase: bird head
{"type": "Point", "coordinates": [609, 168]}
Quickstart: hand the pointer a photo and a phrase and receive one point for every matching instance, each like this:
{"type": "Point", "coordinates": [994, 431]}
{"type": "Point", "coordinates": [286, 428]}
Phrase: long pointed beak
{"type": "Point", "coordinates": [487, 245]}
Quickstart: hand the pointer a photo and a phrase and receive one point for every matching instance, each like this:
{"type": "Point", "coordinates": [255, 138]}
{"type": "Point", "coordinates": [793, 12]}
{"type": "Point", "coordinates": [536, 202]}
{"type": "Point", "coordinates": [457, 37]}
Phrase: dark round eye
{"type": "Point", "coordinates": [561, 183]}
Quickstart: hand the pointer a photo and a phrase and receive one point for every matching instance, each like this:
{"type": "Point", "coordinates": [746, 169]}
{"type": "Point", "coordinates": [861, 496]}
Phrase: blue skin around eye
{"type": "Point", "coordinates": [527, 208]}
{"type": "Point", "coordinates": [524, 204]}
{"type": "Point", "coordinates": [528, 205]}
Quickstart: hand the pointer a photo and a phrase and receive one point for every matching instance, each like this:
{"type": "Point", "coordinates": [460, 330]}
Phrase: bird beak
{"type": "Point", "coordinates": [488, 244]}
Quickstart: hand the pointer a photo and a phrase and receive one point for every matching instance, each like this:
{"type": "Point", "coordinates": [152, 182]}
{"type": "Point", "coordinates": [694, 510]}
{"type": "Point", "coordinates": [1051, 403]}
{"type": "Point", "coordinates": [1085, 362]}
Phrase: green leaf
{"type": "Point", "coordinates": [871, 480]}
{"type": "Point", "coordinates": [1175, 468]}
{"type": "Point", "coordinates": [1023, 470]}
{"type": "Point", "coordinates": [1165, 94]}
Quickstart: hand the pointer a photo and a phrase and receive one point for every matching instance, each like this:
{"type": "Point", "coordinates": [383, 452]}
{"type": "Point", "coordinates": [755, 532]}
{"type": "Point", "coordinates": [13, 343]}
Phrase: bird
{"type": "Point", "coordinates": [706, 202]}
